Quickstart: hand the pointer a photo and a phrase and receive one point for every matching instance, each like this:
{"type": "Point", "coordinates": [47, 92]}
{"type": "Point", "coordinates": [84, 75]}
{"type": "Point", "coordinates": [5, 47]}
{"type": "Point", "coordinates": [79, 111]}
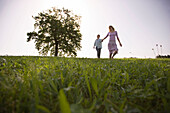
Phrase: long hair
{"type": "Point", "coordinates": [111, 29]}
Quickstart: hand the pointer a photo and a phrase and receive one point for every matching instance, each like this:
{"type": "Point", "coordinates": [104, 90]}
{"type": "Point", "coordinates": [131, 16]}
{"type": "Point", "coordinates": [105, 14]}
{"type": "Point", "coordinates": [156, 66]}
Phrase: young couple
{"type": "Point", "coordinates": [113, 50]}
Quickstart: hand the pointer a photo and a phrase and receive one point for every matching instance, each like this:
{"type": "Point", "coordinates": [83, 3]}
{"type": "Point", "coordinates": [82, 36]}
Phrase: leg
{"type": "Point", "coordinates": [99, 51]}
{"type": "Point", "coordinates": [110, 53]}
{"type": "Point", "coordinates": [114, 53]}
{"type": "Point", "coordinates": [110, 56]}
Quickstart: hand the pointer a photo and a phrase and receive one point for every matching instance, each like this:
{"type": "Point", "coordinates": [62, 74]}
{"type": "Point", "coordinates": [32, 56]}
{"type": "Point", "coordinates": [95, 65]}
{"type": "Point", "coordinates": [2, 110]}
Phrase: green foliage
{"type": "Point", "coordinates": [59, 85]}
{"type": "Point", "coordinates": [57, 31]}
{"type": "Point", "coordinates": [64, 105]}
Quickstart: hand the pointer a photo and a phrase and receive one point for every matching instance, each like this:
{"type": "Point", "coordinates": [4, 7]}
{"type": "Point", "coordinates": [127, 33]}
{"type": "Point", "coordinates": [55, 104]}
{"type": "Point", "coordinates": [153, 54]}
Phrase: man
{"type": "Point", "coordinates": [98, 44]}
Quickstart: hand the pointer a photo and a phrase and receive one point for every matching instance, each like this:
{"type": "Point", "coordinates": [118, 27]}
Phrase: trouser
{"type": "Point", "coordinates": [98, 52]}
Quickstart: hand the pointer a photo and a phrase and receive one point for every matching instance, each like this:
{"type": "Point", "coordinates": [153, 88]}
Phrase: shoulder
{"type": "Point", "coordinates": [100, 40]}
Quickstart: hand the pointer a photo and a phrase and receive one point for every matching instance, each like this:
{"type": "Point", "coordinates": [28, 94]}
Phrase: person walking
{"type": "Point", "coordinates": [112, 47]}
{"type": "Point", "coordinates": [98, 45]}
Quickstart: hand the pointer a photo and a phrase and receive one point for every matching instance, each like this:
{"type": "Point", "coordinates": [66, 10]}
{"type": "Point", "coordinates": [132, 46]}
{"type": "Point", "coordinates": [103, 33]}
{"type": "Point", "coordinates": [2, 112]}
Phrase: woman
{"type": "Point", "coordinates": [113, 50]}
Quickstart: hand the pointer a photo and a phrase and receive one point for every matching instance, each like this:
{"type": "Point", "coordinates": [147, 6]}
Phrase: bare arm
{"type": "Point", "coordinates": [105, 37]}
{"type": "Point", "coordinates": [94, 44]}
{"type": "Point", "coordinates": [118, 39]}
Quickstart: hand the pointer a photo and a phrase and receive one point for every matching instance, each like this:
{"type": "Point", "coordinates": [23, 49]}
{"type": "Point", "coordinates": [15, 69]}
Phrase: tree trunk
{"type": "Point", "coordinates": [56, 48]}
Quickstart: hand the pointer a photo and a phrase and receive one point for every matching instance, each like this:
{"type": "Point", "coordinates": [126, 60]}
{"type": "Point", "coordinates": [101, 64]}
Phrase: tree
{"type": "Point", "coordinates": [57, 31]}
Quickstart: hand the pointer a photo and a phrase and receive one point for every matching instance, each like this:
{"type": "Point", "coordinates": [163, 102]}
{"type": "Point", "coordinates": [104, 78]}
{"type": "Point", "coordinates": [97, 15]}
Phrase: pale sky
{"type": "Point", "coordinates": [141, 24]}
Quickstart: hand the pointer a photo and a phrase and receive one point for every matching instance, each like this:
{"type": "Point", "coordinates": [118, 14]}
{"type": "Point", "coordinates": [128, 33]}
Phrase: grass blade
{"type": "Point", "coordinates": [64, 105]}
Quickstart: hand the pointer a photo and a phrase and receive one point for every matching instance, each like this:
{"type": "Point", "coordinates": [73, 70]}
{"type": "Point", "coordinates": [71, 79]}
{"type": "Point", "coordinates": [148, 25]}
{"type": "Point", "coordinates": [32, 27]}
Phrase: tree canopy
{"type": "Point", "coordinates": [56, 31]}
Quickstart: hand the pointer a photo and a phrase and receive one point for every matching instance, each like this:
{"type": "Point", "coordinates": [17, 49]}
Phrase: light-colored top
{"type": "Point", "coordinates": [98, 43]}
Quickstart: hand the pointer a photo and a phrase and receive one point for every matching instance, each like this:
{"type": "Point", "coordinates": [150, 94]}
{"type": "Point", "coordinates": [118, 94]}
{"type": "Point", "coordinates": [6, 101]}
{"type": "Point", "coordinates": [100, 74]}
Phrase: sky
{"type": "Point", "coordinates": [141, 24]}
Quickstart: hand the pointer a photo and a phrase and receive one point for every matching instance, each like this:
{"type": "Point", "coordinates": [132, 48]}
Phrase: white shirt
{"type": "Point", "coordinates": [98, 43]}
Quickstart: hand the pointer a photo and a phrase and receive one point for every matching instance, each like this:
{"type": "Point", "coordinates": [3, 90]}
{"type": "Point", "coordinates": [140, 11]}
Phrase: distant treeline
{"type": "Point", "coordinates": [163, 56]}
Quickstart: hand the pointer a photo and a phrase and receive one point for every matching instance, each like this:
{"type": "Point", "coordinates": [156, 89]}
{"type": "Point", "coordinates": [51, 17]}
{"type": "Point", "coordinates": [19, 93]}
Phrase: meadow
{"type": "Point", "coordinates": [82, 85]}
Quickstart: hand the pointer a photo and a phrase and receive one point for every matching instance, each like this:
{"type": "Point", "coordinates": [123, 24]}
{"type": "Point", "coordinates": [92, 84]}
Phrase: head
{"type": "Point", "coordinates": [98, 36]}
{"type": "Point", "coordinates": [111, 29]}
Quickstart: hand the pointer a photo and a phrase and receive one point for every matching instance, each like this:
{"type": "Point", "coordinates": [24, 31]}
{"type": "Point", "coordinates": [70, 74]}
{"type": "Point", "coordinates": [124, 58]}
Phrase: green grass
{"type": "Point", "coordinates": [80, 85]}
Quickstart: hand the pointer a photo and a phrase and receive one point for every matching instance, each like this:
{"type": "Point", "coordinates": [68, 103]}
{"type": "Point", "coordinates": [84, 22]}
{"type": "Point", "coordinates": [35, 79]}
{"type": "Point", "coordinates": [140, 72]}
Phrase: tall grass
{"type": "Point", "coordinates": [80, 85]}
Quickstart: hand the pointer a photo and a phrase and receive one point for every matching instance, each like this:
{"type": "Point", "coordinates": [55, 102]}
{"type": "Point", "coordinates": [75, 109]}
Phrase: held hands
{"type": "Point", "coordinates": [102, 40]}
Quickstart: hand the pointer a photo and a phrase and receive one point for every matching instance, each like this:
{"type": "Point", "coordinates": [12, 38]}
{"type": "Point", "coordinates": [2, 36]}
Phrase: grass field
{"type": "Point", "coordinates": [80, 85]}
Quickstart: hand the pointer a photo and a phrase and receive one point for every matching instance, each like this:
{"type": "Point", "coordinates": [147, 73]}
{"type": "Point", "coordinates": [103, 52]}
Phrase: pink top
{"type": "Point", "coordinates": [112, 36]}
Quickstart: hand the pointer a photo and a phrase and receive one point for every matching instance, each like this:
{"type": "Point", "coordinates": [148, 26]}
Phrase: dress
{"type": "Point", "coordinates": [112, 42]}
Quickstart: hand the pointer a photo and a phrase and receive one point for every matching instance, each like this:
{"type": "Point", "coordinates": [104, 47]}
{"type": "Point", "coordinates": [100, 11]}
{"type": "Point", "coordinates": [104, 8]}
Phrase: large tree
{"type": "Point", "coordinates": [57, 31]}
